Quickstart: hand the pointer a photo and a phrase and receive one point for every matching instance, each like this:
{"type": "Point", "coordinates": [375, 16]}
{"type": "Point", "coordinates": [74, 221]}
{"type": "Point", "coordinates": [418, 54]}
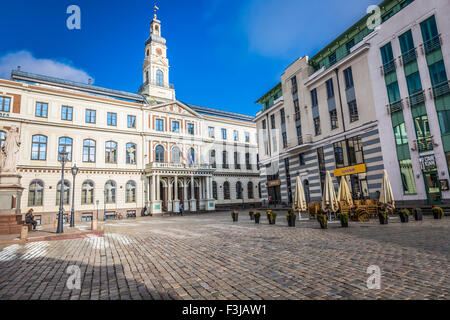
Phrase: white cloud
{"type": "Point", "coordinates": [46, 67]}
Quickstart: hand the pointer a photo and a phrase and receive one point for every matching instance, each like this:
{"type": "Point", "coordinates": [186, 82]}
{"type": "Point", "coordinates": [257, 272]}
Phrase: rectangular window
{"type": "Point", "coordinates": [301, 158]}
{"type": "Point", "coordinates": [353, 110]}
{"type": "Point", "coordinates": [400, 135]}
{"type": "Point", "coordinates": [285, 144]}
{"type": "Point", "coordinates": [350, 45]}
{"type": "Point", "coordinates": [333, 119]}
{"type": "Point", "coordinates": [294, 85]}
{"type": "Point", "coordinates": [322, 168]}
{"type": "Point", "coordinates": [314, 98]}
{"type": "Point", "coordinates": [444, 121]}
{"type": "Point", "coordinates": [283, 116]}
{"type": "Point", "coordinates": [264, 126]}
{"type": "Point", "coordinates": [393, 92]}
{"type": "Point", "coordinates": [224, 134]}
{"type": "Point", "coordinates": [387, 56]}
{"type": "Point", "coordinates": [131, 122]}
{"type": "Point", "coordinates": [41, 110]}
{"type": "Point", "coordinates": [236, 135]}
{"type": "Point", "coordinates": [211, 133]}
{"type": "Point", "coordinates": [407, 46]}
{"type": "Point", "coordinates": [438, 73]}
{"type": "Point", "coordinates": [348, 76]}
{"type": "Point", "coordinates": [355, 151]}
{"type": "Point", "coordinates": [272, 121]}
{"type": "Point", "coordinates": [112, 119]}
{"type": "Point", "coordinates": [414, 84]}
{"type": "Point", "coordinates": [224, 160]}
{"type": "Point", "coordinates": [175, 126]}
{"type": "Point", "coordinates": [66, 113]}
{"type": "Point", "coordinates": [237, 164]}
{"type": "Point", "coordinates": [159, 124]}
{"type": "Point", "coordinates": [247, 137]}
{"type": "Point", "coordinates": [90, 116]}
{"type": "Point", "coordinates": [339, 154]}
{"type": "Point", "coordinates": [429, 30]}
{"type": "Point", "coordinates": [330, 88]}
{"type": "Point", "coordinates": [5, 104]}
{"type": "Point", "coordinates": [407, 175]}
{"type": "Point", "coordinates": [317, 129]}
{"type": "Point", "coordinates": [332, 59]}
{"type": "Point", "coordinates": [190, 129]}
{"type": "Point", "coordinates": [297, 110]}
{"type": "Point", "coordinates": [247, 161]}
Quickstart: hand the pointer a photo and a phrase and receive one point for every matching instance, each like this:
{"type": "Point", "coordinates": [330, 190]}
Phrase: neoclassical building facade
{"type": "Point", "coordinates": [132, 149]}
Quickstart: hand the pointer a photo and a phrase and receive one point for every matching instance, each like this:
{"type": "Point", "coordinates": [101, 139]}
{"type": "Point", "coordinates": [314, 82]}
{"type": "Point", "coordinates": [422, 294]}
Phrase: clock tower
{"type": "Point", "coordinates": [156, 86]}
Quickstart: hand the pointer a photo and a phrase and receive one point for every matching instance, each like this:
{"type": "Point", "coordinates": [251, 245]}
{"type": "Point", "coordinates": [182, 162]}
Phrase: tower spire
{"type": "Point", "coordinates": [155, 9]}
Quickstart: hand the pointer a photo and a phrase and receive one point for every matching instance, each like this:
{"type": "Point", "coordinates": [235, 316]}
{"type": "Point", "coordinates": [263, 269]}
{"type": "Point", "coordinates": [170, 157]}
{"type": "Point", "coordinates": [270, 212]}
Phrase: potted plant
{"type": "Point", "coordinates": [235, 215]}
{"type": "Point", "coordinates": [272, 218]}
{"type": "Point", "coordinates": [257, 216]}
{"type": "Point", "coordinates": [417, 214]}
{"type": "Point", "coordinates": [269, 213]}
{"type": "Point", "coordinates": [383, 216]}
{"type": "Point", "coordinates": [252, 215]}
{"type": "Point", "coordinates": [291, 217]}
{"type": "Point", "coordinates": [404, 215]}
{"type": "Point", "coordinates": [438, 213]}
{"type": "Point", "coordinates": [323, 220]}
{"type": "Point", "coordinates": [343, 217]}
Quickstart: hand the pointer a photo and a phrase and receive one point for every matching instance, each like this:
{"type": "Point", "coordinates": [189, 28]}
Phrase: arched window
{"type": "Point", "coordinates": [176, 155]}
{"type": "Point", "coordinates": [110, 192]}
{"type": "Point", "coordinates": [159, 78]}
{"type": "Point", "coordinates": [214, 185]}
{"type": "Point", "coordinates": [65, 143]}
{"type": "Point", "coordinates": [66, 192]}
{"type": "Point", "coordinates": [88, 150]}
{"type": "Point", "coordinates": [87, 192]}
{"type": "Point", "coordinates": [36, 193]}
{"type": "Point", "coordinates": [2, 138]}
{"type": "Point", "coordinates": [226, 190]}
{"type": "Point", "coordinates": [238, 190]}
{"type": "Point", "coordinates": [130, 192]}
{"type": "Point", "coordinates": [250, 190]}
{"type": "Point", "coordinates": [111, 152]}
{"type": "Point", "coordinates": [39, 147]}
{"type": "Point", "coordinates": [159, 154]}
{"type": "Point", "coordinates": [131, 153]}
{"type": "Point", "coordinates": [191, 156]}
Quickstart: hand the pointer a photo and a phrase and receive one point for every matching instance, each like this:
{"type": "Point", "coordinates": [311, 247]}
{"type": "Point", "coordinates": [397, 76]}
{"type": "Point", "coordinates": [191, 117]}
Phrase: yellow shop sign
{"type": "Point", "coordinates": [361, 168]}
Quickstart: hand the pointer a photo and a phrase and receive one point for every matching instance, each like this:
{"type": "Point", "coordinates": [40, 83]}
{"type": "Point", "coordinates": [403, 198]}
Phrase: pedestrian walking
{"type": "Point", "coordinates": [181, 209]}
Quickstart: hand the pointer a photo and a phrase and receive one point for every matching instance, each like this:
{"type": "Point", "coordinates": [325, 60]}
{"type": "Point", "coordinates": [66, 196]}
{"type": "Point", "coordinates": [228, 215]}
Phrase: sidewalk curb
{"type": "Point", "coordinates": [54, 238]}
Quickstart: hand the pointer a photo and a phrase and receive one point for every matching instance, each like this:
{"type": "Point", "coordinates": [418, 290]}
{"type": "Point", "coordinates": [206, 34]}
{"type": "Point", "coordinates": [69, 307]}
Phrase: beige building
{"type": "Point", "coordinates": [132, 150]}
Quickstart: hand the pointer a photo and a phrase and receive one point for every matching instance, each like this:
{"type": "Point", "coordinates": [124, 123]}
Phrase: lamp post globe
{"type": "Point", "coordinates": [72, 213]}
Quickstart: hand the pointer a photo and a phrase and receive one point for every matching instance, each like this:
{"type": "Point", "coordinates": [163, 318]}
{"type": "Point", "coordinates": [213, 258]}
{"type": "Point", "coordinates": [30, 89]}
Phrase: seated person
{"type": "Point", "coordinates": [29, 219]}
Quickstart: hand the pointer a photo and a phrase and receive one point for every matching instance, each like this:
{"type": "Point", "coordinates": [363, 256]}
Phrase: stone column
{"type": "Point", "coordinates": [185, 193]}
{"type": "Point", "coordinates": [158, 188]}
{"type": "Point", "coordinates": [176, 201]}
{"type": "Point", "coordinates": [152, 189]}
{"type": "Point", "coordinates": [193, 202]}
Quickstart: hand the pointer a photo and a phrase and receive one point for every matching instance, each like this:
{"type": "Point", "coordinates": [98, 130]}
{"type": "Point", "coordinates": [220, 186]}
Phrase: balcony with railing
{"type": "Point", "coordinates": [395, 106]}
{"type": "Point", "coordinates": [178, 166]}
{"type": "Point", "coordinates": [416, 98]}
{"type": "Point", "coordinates": [237, 166]}
{"type": "Point", "coordinates": [389, 67]}
{"type": "Point", "coordinates": [249, 166]}
{"type": "Point", "coordinates": [154, 83]}
{"type": "Point", "coordinates": [432, 44]}
{"type": "Point", "coordinates": [441, 89]}
{"type": "Point", "coordinates": [410, 56]}
{"type": "Point", "coordinates": [425, 144]}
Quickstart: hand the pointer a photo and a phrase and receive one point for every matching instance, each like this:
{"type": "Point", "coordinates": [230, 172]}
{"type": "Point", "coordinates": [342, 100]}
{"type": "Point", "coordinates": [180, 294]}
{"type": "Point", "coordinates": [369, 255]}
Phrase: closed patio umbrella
{"type": "Point", "coordinates": [344, 193]}
{"type": "Point", "coordinates": [329, 200]}
{"type": "Point", "coordinates": [386, 195]}
{"type": "Point", "coordinates": [299, 198]}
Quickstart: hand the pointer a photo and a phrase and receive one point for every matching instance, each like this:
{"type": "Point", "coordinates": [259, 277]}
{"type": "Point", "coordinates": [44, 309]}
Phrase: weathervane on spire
{"type": "Point", "coordinates": [155, 9]}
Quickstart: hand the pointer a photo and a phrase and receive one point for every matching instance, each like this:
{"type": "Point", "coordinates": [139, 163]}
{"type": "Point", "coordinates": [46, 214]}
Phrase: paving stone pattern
{"type": "Point", "coordinates": [210, 257]}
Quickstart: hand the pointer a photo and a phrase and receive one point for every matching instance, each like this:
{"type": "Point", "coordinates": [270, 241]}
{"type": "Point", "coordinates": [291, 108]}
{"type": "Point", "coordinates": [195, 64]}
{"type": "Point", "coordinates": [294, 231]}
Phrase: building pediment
{"type": "Point", "coordinates": [177, 108]}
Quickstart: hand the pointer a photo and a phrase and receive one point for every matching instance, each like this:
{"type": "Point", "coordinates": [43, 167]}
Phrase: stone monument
{"type": "Point", "coordinates": [10, 186]}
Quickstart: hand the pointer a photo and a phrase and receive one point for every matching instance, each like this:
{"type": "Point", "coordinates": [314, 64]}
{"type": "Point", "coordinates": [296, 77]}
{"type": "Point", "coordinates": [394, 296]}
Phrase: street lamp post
{"type": "Point", "coordinates": [63, 158]}
{"type": "Point", "coordinates": [104, 200]}
{"type": "Point", "coordinates": [72, 213]}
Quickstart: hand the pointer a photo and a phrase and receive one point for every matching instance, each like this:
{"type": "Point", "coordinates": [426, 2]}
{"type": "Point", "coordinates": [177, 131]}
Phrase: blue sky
{"type": "Point", "coordinates": [223, 53]}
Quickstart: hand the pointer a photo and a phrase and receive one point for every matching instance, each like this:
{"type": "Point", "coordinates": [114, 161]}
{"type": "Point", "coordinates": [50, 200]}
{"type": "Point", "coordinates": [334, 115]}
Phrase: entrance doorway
{"type": "Point", "coordinates": [433, 187]}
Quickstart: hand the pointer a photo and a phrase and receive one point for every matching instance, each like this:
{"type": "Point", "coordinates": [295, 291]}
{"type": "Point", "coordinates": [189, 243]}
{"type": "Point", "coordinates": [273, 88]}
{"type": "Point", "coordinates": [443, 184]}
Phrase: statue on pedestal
{"type": "Point", "coordinates": [10, 152]}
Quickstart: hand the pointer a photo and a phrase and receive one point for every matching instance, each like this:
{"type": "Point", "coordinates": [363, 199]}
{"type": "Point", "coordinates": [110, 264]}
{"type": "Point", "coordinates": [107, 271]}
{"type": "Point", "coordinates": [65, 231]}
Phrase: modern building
{"type": "Point", "coordinates": [132, 150]}
{"type": "Point", "coordinates": [375, 98]}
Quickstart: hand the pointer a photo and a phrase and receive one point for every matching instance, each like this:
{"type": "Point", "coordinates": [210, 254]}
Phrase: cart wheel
{"type": "Point", "coordinates": [364, 217]}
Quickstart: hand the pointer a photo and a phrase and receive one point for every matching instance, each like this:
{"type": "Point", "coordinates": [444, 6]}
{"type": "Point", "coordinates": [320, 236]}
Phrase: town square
{"type": "Point", "coordinates": [251, 150]}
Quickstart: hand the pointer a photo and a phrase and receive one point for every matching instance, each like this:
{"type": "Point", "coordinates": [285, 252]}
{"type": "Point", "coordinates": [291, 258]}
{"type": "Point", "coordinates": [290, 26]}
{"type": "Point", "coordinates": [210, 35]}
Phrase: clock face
{"type": "Point", "coordinates": [159, 51]}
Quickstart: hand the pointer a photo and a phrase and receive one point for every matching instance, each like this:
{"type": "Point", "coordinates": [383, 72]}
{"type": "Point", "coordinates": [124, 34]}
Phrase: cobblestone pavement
{"type": "Point", "coordinates": [210, 257]}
